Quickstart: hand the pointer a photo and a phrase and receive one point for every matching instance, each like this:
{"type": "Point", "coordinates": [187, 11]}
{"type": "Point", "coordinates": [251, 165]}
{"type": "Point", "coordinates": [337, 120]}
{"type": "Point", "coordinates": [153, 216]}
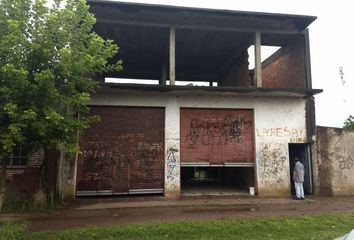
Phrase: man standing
{"type": "Point", "coordinates": [298, 178]}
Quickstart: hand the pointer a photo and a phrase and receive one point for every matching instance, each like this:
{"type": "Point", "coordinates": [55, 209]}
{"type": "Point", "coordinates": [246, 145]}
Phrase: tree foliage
{"type": "Point", "coordinates": [49, 56]}
{"type": "Point", "coordinates": [349, 123]}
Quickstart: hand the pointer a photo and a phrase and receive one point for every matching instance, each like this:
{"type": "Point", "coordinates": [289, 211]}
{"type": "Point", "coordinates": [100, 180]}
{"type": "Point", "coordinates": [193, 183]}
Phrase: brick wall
{"type": "Point", "coordinates": [26, 180]}
{"type": "Point", "coordinates": [34, 161]}
{"type": "Point", "coordinates": [286, 68]}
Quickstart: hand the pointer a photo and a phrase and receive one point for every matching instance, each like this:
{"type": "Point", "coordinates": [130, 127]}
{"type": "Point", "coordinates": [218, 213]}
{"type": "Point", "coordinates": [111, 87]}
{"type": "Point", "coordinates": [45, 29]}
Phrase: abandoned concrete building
{"type": "Point", "coordinates": [173, 136]}
{"type": "Point", "coordinates": [209, 101]}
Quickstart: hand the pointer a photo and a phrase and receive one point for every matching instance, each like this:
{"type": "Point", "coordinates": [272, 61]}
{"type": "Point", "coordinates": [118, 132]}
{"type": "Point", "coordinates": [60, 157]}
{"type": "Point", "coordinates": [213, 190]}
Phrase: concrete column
{"type": "Point", "coordinates": [258, 61]}
{"type": "Point", "coordinates": [172, 149]}
{"type": "Point", "coordinates": [69, 174]}
{"type": "Point", "coordinates": [172, 56]}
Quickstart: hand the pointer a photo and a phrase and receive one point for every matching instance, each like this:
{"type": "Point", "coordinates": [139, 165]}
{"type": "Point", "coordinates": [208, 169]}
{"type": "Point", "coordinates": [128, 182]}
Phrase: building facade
{"type": "Point", "coordinates": [208, 102]}
{"type": "Point", "coordinates": [169, 135]}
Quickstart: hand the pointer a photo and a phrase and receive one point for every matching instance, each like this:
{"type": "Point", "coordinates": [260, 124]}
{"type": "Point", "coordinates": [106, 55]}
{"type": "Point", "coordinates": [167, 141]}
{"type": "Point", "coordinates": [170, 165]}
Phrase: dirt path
{"type": "Point", "coordinates": [121, 211]}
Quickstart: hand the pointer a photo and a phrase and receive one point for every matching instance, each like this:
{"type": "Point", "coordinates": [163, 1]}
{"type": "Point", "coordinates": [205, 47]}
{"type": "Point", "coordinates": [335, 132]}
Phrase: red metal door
{"type": "Point", "coordinates": [123, 152]}
{"type": "Point", "coordinates": [216, 136]}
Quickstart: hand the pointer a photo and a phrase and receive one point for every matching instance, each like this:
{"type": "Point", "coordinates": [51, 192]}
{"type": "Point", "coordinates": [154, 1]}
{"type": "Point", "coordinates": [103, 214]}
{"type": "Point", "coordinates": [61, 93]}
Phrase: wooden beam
{"type": "Point", "coordinates": [257, 58]}
{"type": "Point", "coordinates": [172, 56]}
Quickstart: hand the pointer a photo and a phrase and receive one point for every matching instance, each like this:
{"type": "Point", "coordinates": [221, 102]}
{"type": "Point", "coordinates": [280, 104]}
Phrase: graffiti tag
{"type": "Point", "coordinates": [295, 134]}
{"type": "Point", "coordinates": [172, 166]}
{"type": "Point", "coordinates": [229, 130]}
{"type": "Point", "coordinates": [345, 162]}
{"type": "Point", "coordinates": [272, 162]}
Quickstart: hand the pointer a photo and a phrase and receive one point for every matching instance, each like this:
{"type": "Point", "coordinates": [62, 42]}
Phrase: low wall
{"type": "Point", "coordinates": [333, 162]}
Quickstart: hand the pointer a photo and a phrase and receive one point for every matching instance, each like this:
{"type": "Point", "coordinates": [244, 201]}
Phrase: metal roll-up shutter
{"type": "Point", "coordinates": [123, 153]}
{"type": "Point", "coordinates": [222, 137]}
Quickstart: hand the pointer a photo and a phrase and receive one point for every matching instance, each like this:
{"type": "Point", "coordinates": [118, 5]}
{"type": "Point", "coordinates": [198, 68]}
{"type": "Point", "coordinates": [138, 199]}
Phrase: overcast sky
{"type": "Point", "coordinates": [331, 45]}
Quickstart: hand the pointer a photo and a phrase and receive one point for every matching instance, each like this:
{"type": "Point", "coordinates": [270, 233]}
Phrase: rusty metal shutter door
{"type": "Point", "coordinates": [122, 153]}
{"type": "Point", "coordinates": [217, 137]}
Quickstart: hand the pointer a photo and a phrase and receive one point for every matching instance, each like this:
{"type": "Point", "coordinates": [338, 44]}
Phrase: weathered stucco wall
{"type": "Point", "coordinates": [333, 162]}
{"type": "Point", "coordinates": [278, 121]}
{"type": "Point", "coordinates": [277, 125]}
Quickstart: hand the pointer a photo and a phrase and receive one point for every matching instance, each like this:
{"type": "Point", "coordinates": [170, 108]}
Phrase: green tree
{"type": "Point", "coordinates": [49, 57]}
{"type": "Point", "coordinates": [349, 123]}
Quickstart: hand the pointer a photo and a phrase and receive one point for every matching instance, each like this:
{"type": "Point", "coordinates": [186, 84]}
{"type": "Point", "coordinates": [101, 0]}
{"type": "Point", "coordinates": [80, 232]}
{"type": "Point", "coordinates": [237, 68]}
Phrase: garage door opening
{"type": "Point", "coordinates": [123, 153]}
{"type": "Point", "coordinates": [216, 180]}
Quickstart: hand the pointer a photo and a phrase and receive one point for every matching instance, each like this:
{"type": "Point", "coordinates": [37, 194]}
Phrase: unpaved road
{"type": "Point", "coordinates": [122, 211]}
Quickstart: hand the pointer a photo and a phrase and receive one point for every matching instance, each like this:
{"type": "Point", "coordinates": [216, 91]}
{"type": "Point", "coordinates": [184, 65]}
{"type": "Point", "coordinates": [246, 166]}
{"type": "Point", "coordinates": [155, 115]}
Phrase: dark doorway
{"type": "Point", "coordinates": [216, 180]}
{"type": "Point", "coordinates": [303, 151]}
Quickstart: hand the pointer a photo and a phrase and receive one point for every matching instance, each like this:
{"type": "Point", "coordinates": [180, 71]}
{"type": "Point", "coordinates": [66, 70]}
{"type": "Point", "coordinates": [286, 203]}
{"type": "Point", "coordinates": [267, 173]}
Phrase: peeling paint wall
{"type": "Point", "coordinates": [334, 162]}
{"type": "Point", "coordinates": [278, 121]}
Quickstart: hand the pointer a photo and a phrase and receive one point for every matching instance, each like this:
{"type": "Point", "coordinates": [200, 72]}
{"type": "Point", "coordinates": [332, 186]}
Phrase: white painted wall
{"type": "Point", "coordinates": [278, 121]}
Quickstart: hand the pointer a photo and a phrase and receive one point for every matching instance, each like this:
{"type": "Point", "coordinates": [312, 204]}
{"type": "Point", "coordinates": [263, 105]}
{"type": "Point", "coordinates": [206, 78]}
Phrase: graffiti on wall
{"type": "Point", "coordinates": [97, 167]}
{"type": "Point", "coordinates": [272, 162]}
{"type": "Point", "coordinates": [98, 162]}
{"type": "Point", "coordinates": [227, 131]}
{"type": "Point", "coordinates": [294, 134]}
{"type": "Point", "coordinates": [172, 168]}
{"type": "Point", "coordinates": [148, 153]}
{"type": "Point", "coordinates": [345, 162]}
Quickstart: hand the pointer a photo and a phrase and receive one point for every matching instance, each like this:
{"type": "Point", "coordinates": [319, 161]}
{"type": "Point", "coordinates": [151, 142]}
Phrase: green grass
{"type": "Point", "coordinates": [12, 230]}
{"type": "Point", "coordinates": [304, 227]}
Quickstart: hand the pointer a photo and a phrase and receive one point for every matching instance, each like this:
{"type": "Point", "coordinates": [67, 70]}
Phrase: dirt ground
{"type": "Point", "coordinates": [97, 212]}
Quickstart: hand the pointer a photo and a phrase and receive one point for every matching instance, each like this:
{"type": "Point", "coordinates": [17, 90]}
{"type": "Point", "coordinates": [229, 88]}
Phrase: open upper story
{"type": "Point", "coordinates": [168, 47]}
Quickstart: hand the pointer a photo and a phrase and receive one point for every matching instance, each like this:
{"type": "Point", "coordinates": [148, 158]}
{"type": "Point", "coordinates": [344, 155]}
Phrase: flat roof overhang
{"type": "Point", "coordinates": [165, 16]}
{"type": "Point", "coordinates": [207, 40]}
{"type": "Point", "coordinates": [239, 91]}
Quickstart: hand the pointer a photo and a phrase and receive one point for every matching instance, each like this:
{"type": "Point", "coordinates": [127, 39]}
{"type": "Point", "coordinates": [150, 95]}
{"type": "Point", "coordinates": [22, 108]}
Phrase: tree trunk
{"type": "Point", "coordinates": [44, 187]}
{"type": "Point", "coordinates": [2, 182]}
{"type": "Point", "coordinates": [60, 174]}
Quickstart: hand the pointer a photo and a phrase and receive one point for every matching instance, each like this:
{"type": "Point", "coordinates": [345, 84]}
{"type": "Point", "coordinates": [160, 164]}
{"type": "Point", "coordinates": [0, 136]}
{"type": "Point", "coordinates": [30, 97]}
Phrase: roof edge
{"type": "Point", "coordinates": [309, 19]}
{"type": "Point", "coordinates": [238, 90]}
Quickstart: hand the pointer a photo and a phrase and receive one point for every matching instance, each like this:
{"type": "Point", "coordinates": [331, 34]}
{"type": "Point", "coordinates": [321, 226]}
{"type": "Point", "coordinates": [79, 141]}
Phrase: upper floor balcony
{"type": "Point", "coordinates": [218, 49]}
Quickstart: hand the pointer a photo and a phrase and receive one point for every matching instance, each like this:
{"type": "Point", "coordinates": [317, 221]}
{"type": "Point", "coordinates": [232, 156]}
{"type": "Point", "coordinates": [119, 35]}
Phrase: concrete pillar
{"type": "Point", "coordinates": [69, 180]}
{"type": "Point", "coordinates": [172, 150]}
{"type": "Point", "coordinates": [258, 61]}
{"type": "Point", "coordinates": [172, 56]}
